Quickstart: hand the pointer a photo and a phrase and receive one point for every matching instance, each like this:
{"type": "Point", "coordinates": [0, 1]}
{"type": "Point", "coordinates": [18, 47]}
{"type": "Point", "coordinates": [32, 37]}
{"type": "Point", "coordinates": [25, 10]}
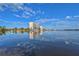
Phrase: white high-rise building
{"type": "Point", "coordinates": [35, 27]}
{"type": "Point", "coordinates": [41, 28]}
{"type": "Point", "coordinates": [31, 25]}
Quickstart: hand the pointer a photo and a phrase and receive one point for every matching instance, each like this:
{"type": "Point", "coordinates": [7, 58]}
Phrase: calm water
{"type": "Point", "coordinates": [53, 43]}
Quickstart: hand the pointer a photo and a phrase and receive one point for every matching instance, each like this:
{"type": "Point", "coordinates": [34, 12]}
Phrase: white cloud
{"type": "Point", "coordinates": [43, 21]}
{"type": "Point", "coordinates": [25, 16]}
{"type": "Point", "coordinates": [2, 6]}
{"type": "Point", "coordinates": [21, 16]}
{"type": "Point", "coordinates": [17, 15]}
{"type": "Point", "coordinates": [76, 16]}
{"type": "Point", "coordinates": [29, 10]}
{"type": "Point", "coordinates": [26, 12]}
{"type": "Point", "coordinates": [40, 12]}
{"type": "Point", "coordinates": [68, 17]}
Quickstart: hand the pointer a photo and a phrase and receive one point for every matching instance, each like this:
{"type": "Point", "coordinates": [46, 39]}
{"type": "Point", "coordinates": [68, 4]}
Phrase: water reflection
{"type": "Point", "coordinates": [34, 34]}
{"type": "Point", "coordinates": [66, 42]}
{"type": "Point", "coordinates": [15, 45]}
{"type": "Point", "coordinates": [24, 49]}
{"type": "Point", "coordinates": [2, 32]}
{"type": "Point", "coordinates": [39, 43]}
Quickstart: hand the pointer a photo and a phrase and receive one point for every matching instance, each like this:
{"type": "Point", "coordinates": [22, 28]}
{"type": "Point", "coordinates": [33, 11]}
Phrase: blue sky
{"type": "Point", "coordinates": [57, 16]}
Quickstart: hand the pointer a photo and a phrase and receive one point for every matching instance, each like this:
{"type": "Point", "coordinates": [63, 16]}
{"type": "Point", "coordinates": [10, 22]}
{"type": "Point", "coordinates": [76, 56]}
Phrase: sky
{"type": "Point", "coordinates": [48, 15]}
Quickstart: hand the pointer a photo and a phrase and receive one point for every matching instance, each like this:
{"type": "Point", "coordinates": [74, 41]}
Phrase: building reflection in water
{"type": "Point", "coordinates": [35, 34]}
{"type": "Point", "coordinates": [41, 32]}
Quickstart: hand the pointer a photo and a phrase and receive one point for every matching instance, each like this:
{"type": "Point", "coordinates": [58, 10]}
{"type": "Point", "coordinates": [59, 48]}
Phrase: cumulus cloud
{"type": "Point", "coordinates": [40, 12]}
{"type": "Point", "coordinates": [76, 16]}
{"type": "Point", "coordinates": [58, 23]}
{"type": "Point", "coordinates": [16, 8]}
{"type": "Point", "coordinates": [72, 18]}
{"type": "Point", "coordinates": [17, 15]}
{"type": "Point", "coordinates": [25, 16]}
{"type": "Point", "coordinates": [29, 10]}
{"type": "Point", "coordinates": [3, 6]}
{"type": "Point", "coordinates": [45, 20]}
{"type": "Point", "coordinates": [68, 17]}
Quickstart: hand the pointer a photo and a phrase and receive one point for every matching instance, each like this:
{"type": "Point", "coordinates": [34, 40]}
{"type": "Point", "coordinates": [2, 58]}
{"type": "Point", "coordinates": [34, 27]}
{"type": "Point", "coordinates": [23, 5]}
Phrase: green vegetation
{"type": "Point", "coordinates": [3, 30]}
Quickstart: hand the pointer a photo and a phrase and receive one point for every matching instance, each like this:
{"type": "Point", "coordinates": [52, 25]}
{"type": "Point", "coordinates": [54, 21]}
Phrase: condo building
{"type": "Point", "coordinates": [34, 26]}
